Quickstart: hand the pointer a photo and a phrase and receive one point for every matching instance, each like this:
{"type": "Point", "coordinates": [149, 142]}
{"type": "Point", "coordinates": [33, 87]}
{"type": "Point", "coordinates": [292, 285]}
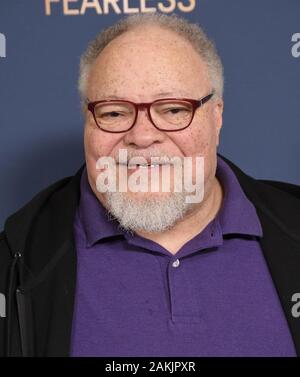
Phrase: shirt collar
{"type": "Point", "coordinates": [237, 214]}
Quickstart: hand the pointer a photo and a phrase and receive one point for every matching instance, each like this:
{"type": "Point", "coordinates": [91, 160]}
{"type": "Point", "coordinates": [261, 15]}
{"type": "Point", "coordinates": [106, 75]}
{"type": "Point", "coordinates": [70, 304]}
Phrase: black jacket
{"type": "Point", "coordinates": [38, 262]}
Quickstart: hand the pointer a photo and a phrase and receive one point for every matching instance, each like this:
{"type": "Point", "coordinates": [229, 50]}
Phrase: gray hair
{"type": "Point", "coordinates": [191, 32]}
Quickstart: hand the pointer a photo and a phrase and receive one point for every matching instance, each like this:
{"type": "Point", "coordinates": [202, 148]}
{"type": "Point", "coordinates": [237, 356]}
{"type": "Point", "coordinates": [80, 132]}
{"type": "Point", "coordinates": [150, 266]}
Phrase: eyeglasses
{"type": "Point", "coordinates": [168, 114]}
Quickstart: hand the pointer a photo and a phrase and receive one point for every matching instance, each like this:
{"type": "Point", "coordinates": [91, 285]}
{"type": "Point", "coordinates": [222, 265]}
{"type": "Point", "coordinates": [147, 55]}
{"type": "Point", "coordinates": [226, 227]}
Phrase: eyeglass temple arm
{"type": "Point", "coordinates": [205, 99]}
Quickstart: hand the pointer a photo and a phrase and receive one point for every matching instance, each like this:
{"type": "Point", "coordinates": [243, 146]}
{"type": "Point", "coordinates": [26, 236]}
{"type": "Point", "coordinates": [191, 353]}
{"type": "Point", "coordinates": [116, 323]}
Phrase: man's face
{"type": "Point", "coordinates": [143, 65]}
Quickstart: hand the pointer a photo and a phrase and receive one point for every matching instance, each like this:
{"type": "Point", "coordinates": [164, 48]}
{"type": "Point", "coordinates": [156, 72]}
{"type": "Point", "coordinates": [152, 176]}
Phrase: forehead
{"type": "Point", "coordinates": [145, 61]}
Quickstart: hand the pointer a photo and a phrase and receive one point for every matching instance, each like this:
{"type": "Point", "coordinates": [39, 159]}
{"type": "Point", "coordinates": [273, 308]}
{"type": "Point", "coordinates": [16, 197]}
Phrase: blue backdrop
{"type": "Point", "coordinates": [40, 119]}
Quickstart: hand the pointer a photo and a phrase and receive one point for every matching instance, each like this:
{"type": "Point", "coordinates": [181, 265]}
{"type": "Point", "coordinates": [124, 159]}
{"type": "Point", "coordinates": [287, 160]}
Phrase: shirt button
{"type": "Point", "coordinates": [176, 263]}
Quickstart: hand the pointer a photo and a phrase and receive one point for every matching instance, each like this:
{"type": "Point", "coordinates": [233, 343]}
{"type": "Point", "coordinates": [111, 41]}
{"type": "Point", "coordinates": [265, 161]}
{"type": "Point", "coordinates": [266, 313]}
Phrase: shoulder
{"type": "Point", "coordinates": [50, 207]}
{"type": "Point", "coordinates": [277, 203]}
{"type": "Point", "coordinates": [289, 188]}
{"type": "Point", "coordinates": [60, 187]}
{"type": "Point", "coordinates": [257, 187]}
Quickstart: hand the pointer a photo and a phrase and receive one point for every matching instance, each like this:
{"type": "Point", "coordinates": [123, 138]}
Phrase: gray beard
{"type": "Point", "coordinates": [149, 214]}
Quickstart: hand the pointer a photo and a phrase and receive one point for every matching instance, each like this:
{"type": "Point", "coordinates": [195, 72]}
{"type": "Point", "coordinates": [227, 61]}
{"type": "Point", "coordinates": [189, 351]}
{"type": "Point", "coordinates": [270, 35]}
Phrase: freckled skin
{"type": "Point", "coordinates": [136, 66]}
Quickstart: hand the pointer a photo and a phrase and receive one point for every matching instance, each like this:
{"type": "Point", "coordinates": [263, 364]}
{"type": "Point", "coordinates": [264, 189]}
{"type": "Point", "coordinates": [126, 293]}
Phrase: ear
{"type": "Point", "coordinates": [218, 117]}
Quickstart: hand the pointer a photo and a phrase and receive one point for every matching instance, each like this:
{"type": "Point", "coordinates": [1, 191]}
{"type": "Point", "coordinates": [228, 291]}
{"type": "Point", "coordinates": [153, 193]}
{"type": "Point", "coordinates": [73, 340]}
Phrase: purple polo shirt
{"type": "Point", "coordinates": [214, 297]}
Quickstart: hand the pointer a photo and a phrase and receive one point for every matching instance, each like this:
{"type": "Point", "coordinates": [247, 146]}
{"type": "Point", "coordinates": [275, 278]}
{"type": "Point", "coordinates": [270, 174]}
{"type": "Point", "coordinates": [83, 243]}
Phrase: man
{"type": "Point", "coordinates": [89, 272]}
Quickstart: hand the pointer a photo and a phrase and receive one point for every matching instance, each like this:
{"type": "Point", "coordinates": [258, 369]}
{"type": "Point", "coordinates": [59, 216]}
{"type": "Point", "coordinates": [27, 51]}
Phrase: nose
{"type": "Point", "coordinates": [143, 134]}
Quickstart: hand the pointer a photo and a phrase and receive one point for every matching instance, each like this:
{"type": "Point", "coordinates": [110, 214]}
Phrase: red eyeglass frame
{"type": "Point", "coordinates": [195, 105]}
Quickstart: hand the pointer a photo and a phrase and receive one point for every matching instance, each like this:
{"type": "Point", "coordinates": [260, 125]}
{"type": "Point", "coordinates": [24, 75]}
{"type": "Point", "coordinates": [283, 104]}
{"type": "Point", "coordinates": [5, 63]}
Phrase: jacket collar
{"type": "Point", "coordinates": [63, 197]}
